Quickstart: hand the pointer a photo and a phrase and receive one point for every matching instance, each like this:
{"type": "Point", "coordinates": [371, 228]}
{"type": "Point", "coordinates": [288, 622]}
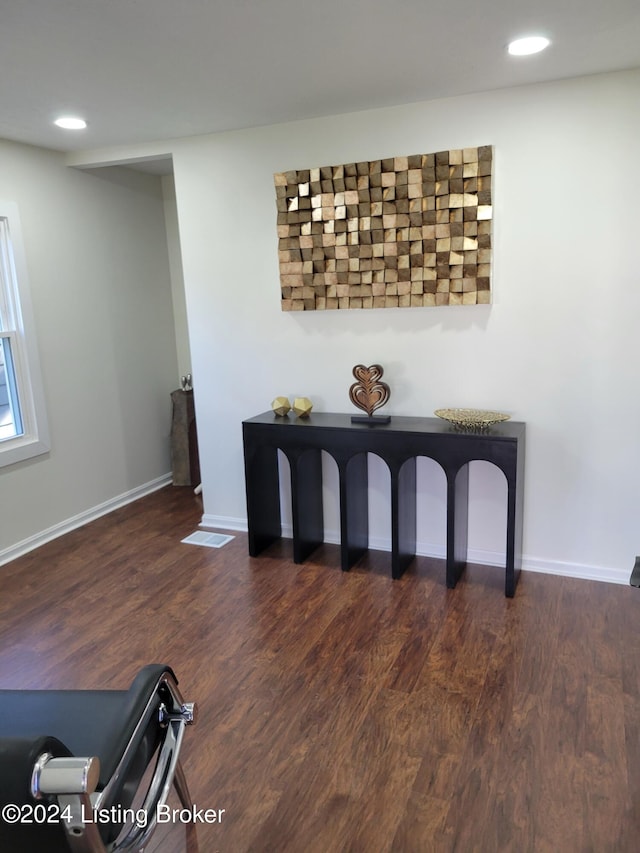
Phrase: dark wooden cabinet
{"type": "Point", "coordinates": [398, 443]}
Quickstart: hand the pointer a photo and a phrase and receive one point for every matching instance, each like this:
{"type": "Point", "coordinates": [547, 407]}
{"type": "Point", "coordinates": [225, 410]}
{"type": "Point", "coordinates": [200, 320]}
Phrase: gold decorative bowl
{"type": "Point", "coordinates": [471, 418]}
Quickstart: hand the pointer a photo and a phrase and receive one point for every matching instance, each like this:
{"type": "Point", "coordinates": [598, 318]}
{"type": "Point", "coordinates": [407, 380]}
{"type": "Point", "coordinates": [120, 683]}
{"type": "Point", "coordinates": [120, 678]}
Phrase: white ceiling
{"type": "Point", "coordinates": [149, 70]}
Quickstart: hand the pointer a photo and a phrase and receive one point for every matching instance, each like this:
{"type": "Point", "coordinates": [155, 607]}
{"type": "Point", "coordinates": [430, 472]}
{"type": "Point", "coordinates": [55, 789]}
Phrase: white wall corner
{"type": "Point", "coordinates": [69, 524]}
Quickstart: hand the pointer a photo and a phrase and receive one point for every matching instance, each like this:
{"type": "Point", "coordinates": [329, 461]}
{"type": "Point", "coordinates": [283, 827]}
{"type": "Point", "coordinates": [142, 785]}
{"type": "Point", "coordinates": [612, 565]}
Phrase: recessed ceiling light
{"type": "Point", "coordinates": [71, 123]}
{"type": "Point", "coordinates": [528, 45]}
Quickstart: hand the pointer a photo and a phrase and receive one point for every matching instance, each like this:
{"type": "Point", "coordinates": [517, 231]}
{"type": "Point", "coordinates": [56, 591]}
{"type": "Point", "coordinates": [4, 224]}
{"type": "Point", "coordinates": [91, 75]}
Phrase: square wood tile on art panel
{"type": "Point", "coordinates": [401, 232]}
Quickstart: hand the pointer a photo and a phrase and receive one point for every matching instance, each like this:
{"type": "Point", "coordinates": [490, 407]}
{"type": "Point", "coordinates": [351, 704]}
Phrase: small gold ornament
{"type": "Point", "coordinates": [302, 407]}
{"type": "Point", "coordinates": [281, 406]}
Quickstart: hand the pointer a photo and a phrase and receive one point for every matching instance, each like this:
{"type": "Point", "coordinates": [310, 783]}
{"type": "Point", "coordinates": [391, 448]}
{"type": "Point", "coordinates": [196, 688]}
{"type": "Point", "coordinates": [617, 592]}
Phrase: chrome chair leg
{"type": "Point", "coordinates": [182, 790]}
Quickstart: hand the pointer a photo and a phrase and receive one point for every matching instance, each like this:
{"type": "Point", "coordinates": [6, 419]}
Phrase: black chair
{"type": "Point", "coordinates": [72, 763]}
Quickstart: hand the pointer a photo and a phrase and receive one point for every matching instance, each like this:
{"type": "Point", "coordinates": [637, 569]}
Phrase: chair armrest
{"type": "Point", "coordinates": [71, 775]}
{"type": "Point", "coordinates": [46, 790]}
{"type": "Point", "coordinates": [18, 758]}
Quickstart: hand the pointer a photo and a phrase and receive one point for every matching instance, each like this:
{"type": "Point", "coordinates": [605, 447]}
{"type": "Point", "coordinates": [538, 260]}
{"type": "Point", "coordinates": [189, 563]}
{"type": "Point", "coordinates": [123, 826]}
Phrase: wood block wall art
{"type": "Point", "coordinates": [395, 233]}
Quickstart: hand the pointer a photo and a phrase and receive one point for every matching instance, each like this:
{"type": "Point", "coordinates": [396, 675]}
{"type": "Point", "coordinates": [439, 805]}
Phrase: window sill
{"type": "Point", "coordinates": [19, 449]}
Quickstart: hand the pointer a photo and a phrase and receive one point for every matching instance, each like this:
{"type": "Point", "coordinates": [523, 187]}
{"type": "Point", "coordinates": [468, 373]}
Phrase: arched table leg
{"type": "Point", "coordinates": [354, 510]}
{"type": "Point", "coordinates": [457, 523]}
{"type": "Point", "coordinates": [403, 517]}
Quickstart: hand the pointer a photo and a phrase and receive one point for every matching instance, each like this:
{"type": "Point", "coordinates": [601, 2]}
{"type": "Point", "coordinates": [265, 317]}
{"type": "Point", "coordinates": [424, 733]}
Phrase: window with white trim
{"type": "Point", "coordinates": [23, 423]}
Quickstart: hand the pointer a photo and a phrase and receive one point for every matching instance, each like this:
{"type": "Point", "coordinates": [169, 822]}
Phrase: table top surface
{"type": "Point", "coordinates": [507, 430]}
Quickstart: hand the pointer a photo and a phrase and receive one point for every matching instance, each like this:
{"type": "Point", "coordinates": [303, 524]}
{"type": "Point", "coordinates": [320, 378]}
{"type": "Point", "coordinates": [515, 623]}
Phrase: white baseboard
{"type": "Point", "coordinates": [32, 542]}
{"type": "Point", "coordinates": [225, 522]}
{"type": "Point", "coordinates": [426, 549]}
{"type": "Point", "coordinates": [606, 574]}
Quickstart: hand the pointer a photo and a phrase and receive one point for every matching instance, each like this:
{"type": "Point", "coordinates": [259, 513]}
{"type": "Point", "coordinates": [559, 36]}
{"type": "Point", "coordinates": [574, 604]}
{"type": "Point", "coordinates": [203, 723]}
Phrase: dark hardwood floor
{"type": "Point", "coordinates": [350, 712]}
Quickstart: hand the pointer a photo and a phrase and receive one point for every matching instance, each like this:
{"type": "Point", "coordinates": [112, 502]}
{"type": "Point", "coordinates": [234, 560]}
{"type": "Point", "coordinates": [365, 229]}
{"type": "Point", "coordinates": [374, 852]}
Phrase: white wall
{"type": "Point", "coordinates": [99, 274]}
{"type": "Point", "coordinates": [555, 349]}
{"type": "Point", "coordinates": [177, 279]}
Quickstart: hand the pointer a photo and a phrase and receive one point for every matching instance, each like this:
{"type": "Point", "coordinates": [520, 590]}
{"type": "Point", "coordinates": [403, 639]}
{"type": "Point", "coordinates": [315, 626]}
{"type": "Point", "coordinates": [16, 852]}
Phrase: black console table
{"type": "Point", "coordinates": [398, 443]}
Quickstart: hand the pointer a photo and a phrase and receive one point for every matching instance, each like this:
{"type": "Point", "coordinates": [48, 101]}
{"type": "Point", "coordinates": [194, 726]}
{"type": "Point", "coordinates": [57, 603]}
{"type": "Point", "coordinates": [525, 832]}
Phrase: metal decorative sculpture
{"type": "Point", "coordinates": [369, 393]}
{"type": "Point", "coordinates": [281, 406]}
{"type": "Point", "coordinates": [302, 407]}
